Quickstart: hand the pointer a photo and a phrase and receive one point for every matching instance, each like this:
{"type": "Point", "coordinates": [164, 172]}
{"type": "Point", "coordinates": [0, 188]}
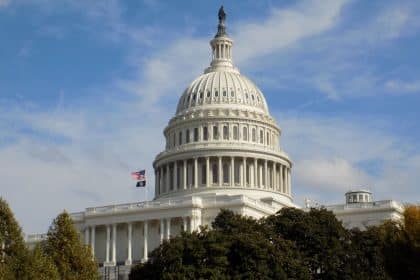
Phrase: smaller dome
{"type": "Point", "coordinates": [222, 89]}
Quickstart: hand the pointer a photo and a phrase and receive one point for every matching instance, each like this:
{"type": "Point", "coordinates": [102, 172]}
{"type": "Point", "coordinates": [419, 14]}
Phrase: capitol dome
{"type": "Point", "coordinates": [222, 139]}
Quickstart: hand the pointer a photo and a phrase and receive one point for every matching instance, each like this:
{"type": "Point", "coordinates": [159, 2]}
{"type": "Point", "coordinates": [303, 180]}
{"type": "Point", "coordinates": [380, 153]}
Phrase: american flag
{"type": "Point", "coordinates": [139, 175]}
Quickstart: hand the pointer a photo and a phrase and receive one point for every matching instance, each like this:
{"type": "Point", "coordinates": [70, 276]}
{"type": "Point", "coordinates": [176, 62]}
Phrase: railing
{"type": "Point", "coordinates": [370, 205]}
{"type": "Point", "coordinates": [254, 146]}
{"type": "Point", "coordinates": [140, 205]}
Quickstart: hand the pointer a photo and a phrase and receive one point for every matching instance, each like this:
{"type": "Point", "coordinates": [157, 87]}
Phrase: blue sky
{"type": "Point", "coordinates": [86, 88]}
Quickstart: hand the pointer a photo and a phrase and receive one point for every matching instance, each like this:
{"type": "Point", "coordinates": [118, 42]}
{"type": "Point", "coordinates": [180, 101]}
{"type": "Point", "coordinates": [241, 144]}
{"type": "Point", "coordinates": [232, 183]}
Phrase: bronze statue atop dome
{"type": "Point", "coordinates": [221, 30]}
{"type": "Point", "coordinates": [222, 15]}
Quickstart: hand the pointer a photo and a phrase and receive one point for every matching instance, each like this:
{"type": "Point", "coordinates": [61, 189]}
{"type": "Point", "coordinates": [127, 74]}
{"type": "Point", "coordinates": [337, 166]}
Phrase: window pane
{"type": "Point", "coordinates": [215, 133]}
{"type": "Point", "coordinates": [205, 133]}
{"type": "Point", "coordinates": [225, 173]}
{"type": "Point", "coordinates": [225, 132]}
{"type": "Point", "coordinates": [235, 132]}
{"type": "Point", "coordinates": [196, 134]}
{"type": "Point", "coordinates": [214, 173]}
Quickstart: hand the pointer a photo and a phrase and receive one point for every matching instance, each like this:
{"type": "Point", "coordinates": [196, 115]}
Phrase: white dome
{"type": "Point", "coordinates": [222, 88]}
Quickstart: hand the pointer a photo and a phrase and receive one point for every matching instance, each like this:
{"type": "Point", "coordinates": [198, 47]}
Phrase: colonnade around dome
{"type": "Point", "coordinates": [222, 172]}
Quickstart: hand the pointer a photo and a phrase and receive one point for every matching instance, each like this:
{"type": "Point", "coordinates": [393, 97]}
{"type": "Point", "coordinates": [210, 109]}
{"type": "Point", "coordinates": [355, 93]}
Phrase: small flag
{"type": "Point", "coordinates": [141, 184]}
{"type": "Point", "coordinates": [139, 175]}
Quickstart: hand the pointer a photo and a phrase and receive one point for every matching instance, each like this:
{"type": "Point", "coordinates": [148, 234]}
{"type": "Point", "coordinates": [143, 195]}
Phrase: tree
{"type": "Point", "coordinates": [13, 251]}
{"type": "Point", "coordinates": [235, 248]}
{"type": "Point", "coordinates": [367, 258]}
{"type": "Point", "coordinates": [401, 246]}
{"type": "Point", "coordinates": [319, 236]}
{"type": "Point", "coordinates": [40, 266]}
{"type": "Point", "coordinates": [63, 246]}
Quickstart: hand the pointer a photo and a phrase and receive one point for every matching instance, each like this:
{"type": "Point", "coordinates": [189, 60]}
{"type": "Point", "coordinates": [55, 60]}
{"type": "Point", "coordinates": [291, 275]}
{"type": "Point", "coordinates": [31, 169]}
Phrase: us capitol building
{"type": "Point", "coordinates": [222, 151]}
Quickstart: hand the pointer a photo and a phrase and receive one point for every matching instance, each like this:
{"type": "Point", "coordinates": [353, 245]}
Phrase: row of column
{"type": "Point", "coordinates": [171, 177]}
{"type": "Point", "coordinates": [188, 223]}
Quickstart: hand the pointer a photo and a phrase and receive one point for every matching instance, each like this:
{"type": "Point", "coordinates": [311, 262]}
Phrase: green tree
{"type": "Point", "coordinates": [367, 259]}
{"type": "Point", "coordinates": [40, 266]}
{"type": "Point", "coordinates": [235, 248]}
{"type": "Point", "coordinates": [319, 236]}
{"type": "Point", "coordinates": [63, 246]}
{"type": "Point", "coordinates": [13, 251]}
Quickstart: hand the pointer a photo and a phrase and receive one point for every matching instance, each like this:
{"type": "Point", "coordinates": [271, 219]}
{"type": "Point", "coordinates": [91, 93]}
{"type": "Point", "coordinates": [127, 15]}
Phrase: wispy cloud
{"type": "Point", "coordinates": [402, 87]}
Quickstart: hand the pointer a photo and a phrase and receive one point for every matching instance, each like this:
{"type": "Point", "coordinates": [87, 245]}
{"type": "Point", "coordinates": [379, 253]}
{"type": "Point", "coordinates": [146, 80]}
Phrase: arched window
{"type": "Point", "coordinates": [173, 139]}
{"type": "Point", "coordinates": [261, 137]}
{"type": "Point", "coordinates": [225, 132]}
{"type": "Point", "coordinates": [268, 138]}
{"type": "Point", "coordinates": [208, 93]}
{"type": "Point", "coordinates": [195, 134]}
{"type": "Point", "coordinates": [215, 175]}
{"type": "Point", "coordinates": [225, 174]}
{"type": "Point", "coordinates": [254, 135]}
{"type": "Point", "coordinates": [205, 133]}
{"type": "Point", "coordinates": [245, 133]}
{"type": "Point", "coordinates": [180, 138]}
{"type": "Point", "coordinates": [215, 132]}
{"type": "Point", "coordinates": [187, 136]}
{"type": "Point", "coordinates": [235, 133]}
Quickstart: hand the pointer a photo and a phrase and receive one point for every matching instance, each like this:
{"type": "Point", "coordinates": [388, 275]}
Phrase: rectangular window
{"type": "Point", "coordinates": [187, 136]}
{"type": "Point", "coordinates": [180, 138]}
{"type": "Point", "coordinates": [196, 134]}
{"type": "Point", "coordinates": [225, 132]}
{"type": "Point", "coordinates": [215, 132]}
{"type": "Point", "coordinates": [203, 174]}
{"type": "Point", "coordinates": [235, 133]}
{"type": "Point", "coordinates": [205, 133]}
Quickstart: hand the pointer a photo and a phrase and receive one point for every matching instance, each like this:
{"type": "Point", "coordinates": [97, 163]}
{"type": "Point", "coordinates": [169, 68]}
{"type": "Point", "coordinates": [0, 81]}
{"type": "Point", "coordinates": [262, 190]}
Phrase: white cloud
{"type": "Point", "coordinates": [333, 155]}
{"type": "Point", "coordinates": [402, 87]}
{"type": "Point", "coordinates": [284, 27]}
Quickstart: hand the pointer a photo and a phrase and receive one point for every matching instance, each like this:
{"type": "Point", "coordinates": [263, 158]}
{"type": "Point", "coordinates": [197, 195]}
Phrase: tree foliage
{"type": "Point", "coordinates": [63, 246]}
{"type": "Point", "coordinates": [13, 251]}
{"type": "Point", "coordinates": [401, 246]}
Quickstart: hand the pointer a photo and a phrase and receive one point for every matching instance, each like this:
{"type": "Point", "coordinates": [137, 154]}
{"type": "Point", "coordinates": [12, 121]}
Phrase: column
{"type": "Point", "coordinates": [289, 181]}
{"type": "Point", "coordinates": [255, 172]}
{"type": "Point", "coordinates": [162, 225]}
{"type": "Point", "coordinates": [232, 171]}
{"type": "Point", "coordinates": [260, 171]}
{"type": "Point", "coordinates": [265, 175]}
{"type": "Point", "coordinates": [220, 172]}
{"type": "Point", "coordinates": [244, 171]}
{"type": "Point", "coordinates": [208, 171]}
{"type": "Point", "coordinates": [184, 181]}
{"type": "Point", "coordinates": [129, 237]}
{"type": "Point", "coordinates": [184, 222]}
{"type": "Point", "coordinates": [87, 236]}
{"type": "Point", "coordinates": [168, 178]}
{"type": "Point", "coordinates": [175, 176]}
{"type": "Point", "coordinates": [145, 237]}
{"type": "Point", "coordinates": [273, 175]}
{"type": "Point", "coordinates": [168, 228]}
{"type": "Point", "coordinates": [195, 173]}
{"type": "Point", "coordinates": [108, 239]}
{"type": "Point", "coordinates": [114, 244]}
{"type": "Point", "coordinates": [92, 240]}
{"type": "Point", "coordinates": [161, 179]}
